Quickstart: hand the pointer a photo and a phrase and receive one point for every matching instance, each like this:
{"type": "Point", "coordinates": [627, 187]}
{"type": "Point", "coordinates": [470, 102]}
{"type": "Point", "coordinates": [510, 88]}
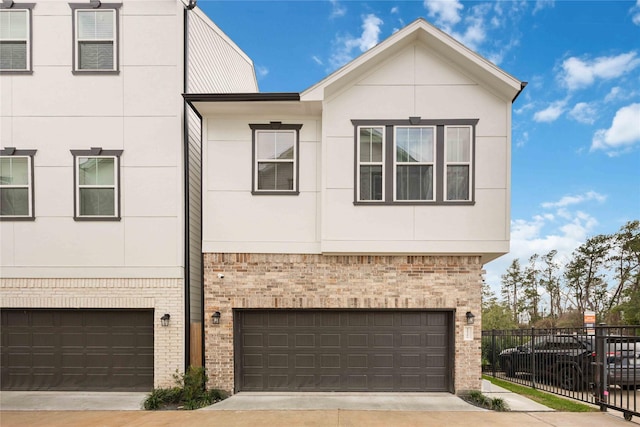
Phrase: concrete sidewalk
{"type": "Point", "coordinates": [115, 401]}
{"type": "Point", "coordinates": [319, 418]}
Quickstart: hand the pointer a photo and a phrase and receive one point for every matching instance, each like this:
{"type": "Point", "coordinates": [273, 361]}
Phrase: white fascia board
{"type": "Point", "coordinates": [437, 40]}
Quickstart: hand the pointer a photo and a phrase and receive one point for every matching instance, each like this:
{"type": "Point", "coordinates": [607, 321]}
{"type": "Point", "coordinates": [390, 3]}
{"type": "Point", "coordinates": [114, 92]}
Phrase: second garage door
{"type": "Point", "coordinates": [327, 350]}
{"type": "Point", "coordinates": [98, 350]}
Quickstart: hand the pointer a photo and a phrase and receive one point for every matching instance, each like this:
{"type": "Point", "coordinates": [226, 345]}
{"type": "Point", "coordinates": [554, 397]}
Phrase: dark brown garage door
{"type": "Point", "coordinates": [77, 350]}
{"type": "Point", "coordinates": [325, 350]}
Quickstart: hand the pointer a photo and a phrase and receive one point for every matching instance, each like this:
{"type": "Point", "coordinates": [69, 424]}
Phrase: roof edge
{"type": "Point", "coordinates": [241, 97]}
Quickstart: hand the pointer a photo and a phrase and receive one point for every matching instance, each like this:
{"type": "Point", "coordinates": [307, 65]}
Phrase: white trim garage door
{"type": "Point", "coordinates": [97, 350]}
{"type": "Point", "coordinates": [343, 350]}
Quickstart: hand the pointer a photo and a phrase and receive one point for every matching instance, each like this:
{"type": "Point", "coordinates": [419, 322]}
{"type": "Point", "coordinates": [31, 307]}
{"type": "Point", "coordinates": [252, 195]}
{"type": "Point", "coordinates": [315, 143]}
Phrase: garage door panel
{"type": "Point", "coordinates": [77, 349]}
{"type": "Point", "coordinates": [342, 350]}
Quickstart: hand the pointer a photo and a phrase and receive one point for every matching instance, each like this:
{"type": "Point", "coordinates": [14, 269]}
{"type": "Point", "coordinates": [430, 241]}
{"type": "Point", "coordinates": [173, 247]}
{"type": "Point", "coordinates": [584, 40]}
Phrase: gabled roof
{"type": "Point", "coordinates": [473, 64]}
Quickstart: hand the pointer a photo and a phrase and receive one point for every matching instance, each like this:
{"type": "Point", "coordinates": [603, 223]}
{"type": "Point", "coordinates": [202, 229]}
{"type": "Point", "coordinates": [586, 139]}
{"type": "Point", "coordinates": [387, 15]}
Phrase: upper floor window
{"type": "Point", "coordinates": [16, 184]}
{"type": "Point", "coordinates": [457, 147]}
{"type": "Point", "coordinates": [414, 161]}
{"type": "Point", "coordinates": [15, 37]}
{"type": "Point", "coordinates": [97, 184]}
{"type": "Point", "coordinates": [95, 38]}
{"type": "Point", "coordinates": [275, 158]}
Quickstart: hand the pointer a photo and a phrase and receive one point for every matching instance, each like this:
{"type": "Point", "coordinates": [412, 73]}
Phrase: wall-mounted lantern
{"type": "Point", "coordinates": [164, 320]}
{"type": "Point", "coordinates": [215, 318]}
{"type": "Point", "coordinates": [470, 318]}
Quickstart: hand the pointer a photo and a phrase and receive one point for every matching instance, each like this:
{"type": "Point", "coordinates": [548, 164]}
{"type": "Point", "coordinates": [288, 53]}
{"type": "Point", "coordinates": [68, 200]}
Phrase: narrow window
{"type": "Point", "coordinates": [15, 39]}
{"type": "Point", "coordinates": [275, 158]}
{"type": "Point", "coordinates": [95, 38]}
{"type": "Point", "coordinates": [97, 192]}
{"type": "Point", "coordinates": [16, 184]}
{"type": "Point", "coordinates": [370, 163]}
{"type": "Point", "coordinates": [414, 163]}
{"type": "Point", "coordinates": [458, 162]}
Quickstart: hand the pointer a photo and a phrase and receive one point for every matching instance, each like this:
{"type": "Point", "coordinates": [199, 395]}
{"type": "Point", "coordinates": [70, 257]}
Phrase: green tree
{"type": "Point", "coordinates": [511, 288]}
{"type": "Point", "coordinates": [585, 274]}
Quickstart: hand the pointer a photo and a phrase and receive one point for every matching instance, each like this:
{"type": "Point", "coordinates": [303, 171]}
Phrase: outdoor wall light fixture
{"type": "Point", "coordinates": [470, 318]}
{"type": "Point", "coordinates": [164, 320]}
{"type": "Point", "coordinates": [215, 318]}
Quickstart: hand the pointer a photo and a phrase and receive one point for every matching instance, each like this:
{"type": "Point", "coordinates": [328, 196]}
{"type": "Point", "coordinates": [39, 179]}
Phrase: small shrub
{"type": "Point", "coordinates": [498, 404]}
{"type": "Point", "coordinates": [478, 399]}
{"type": "Point", "coordinates": [190, 392]}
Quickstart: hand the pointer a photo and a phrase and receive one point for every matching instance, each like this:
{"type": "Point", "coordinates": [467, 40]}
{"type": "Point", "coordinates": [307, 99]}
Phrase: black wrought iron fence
{"type": "Point", "coordinates": [600, 365]}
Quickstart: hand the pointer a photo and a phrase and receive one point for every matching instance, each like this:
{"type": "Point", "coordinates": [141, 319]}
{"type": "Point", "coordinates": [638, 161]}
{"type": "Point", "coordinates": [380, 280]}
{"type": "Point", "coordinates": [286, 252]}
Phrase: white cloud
{"type": "Point", "coordinates": [584, 113]}
{"type": "Point", "coordinates": [317, 60]}
{"type": "Point", "coordinates": [543, 4]}
{"type": "Point", "coordinates": [475, 32]}
{"type": "Point", "coordinates": [613, 94]}
{"type": "Point", "coordinates": [623, 133]}
{"type": "Point", "coordinates": [635, 13]}
{"type": "Point", "coordinates": [346, 44]}
{"type": "Point", "coordinates": [395, 9]}
{"type": "Point", "coordinates": [522, 141]}
{"type": "Point", "coordinates": [337, 9]}
{"type": "Point", "coordinates": [574, 200]}
{"type": "Point", "coordinates": [446, 12]}
{"type": "Point", "coordinates": [551, 113]}
{"type": "Point", "coordinates": [578, 73]}
{"type": "Point", "coordinates": [540, 235]}
{"type": "Point", "coordinates": [262, 71]}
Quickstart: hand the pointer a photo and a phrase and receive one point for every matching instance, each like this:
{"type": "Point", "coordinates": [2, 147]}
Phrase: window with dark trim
{"type": "Point", "coordinates": [415, 161]}
{"type": "Point", "coordinates": [16, 185]}
{"type": "Point", "coordinates": [275, 154]}
{"type": "Point", "coordinates": [15, 37]}
{"type": "Point", "coordinates": [95, 37]}
{"type": "Point", "coordinates": [96, 175]}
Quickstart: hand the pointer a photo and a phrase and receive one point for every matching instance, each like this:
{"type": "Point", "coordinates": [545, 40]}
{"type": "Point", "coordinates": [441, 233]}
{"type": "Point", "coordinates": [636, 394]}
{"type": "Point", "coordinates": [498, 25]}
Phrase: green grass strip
{"type": "Point", "coordinates": [549, 400]}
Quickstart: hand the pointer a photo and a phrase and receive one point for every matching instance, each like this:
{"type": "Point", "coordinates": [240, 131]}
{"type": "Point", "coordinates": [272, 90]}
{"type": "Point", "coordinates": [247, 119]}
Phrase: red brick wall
{"type": "Point", "coordinates": [349, 282]}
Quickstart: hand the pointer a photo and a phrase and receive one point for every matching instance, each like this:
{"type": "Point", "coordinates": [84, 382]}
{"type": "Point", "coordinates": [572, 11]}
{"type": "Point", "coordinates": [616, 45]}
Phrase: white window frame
{"type": "Point", "coordinates": [18, 8]}
{"type": "Point", "coordinates": [396, 163]}
{"type": "Point", "coordinates": [101, 8]}
{"type": "Point", "coordinates": [279, 127]}
{"type": "Point", "coordinates": [381, 163]}
{"type": "Point", "coordinates": [17, 154]}
{"type": "Point", "coordinates": [469, 164]}
{"type": "Point", "coordinates": [97, 153]}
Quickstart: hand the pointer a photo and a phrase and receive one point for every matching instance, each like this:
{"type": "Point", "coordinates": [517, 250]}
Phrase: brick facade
{"type": "Point", "coordinates": [347, 282]}
{"type": "Point", "coordinates": [163, 295]}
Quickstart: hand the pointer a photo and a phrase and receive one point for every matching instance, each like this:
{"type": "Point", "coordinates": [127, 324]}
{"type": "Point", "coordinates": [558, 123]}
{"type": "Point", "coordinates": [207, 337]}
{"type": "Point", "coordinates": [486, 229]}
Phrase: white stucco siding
{"type": "Point", "coordinates": [416, 82]}
{"type": "Point", "coordinates": [236, 220]}
{"type": "Point", "coordinates": [137, 110]}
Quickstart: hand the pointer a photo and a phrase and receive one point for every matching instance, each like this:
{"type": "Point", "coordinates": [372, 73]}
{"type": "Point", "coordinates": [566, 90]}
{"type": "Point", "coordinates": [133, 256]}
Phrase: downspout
{"type": "Point", "coordinates": [185, 130]}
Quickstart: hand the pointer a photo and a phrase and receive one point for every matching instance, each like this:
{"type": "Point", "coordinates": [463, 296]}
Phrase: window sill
{"type": "Point", "coordinates": [17, 218]}
{"type": "Point", "coordinates": [95, 72]}
{"type": "Point", "coordinates": [95, 218]}
{"type": "Point", "coordinates": [275, 193]}
{"type": "Point", "coordinates": [25, 72]}
{"type": "Point", "coordinates": [414, 203]}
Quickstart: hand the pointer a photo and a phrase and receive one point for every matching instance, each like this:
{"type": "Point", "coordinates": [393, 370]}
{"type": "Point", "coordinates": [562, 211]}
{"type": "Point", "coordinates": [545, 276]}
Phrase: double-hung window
{"type": "Point", "coordinates": [97, 184]}
{"type": "Point", "coordinates": [370, 162]}
{"type": "Point", "coordinates": [16, 184]}
{"type": "Point", "coordinates": [414, 149]}
{"type": "Point", "coordinates": [15, 38]}
{"type": "Point", "coordinates": [414, 161]}
{"type": "Point", "coordinates": [95, 38]}
{"type": "Point", "coordinates": [457, 146]}
{"type": "Point", "coordinates": [275, 158]}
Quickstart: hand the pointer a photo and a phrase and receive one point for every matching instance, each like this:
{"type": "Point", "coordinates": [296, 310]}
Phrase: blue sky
{"type": "Point", "coordinates": [576, 127]}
